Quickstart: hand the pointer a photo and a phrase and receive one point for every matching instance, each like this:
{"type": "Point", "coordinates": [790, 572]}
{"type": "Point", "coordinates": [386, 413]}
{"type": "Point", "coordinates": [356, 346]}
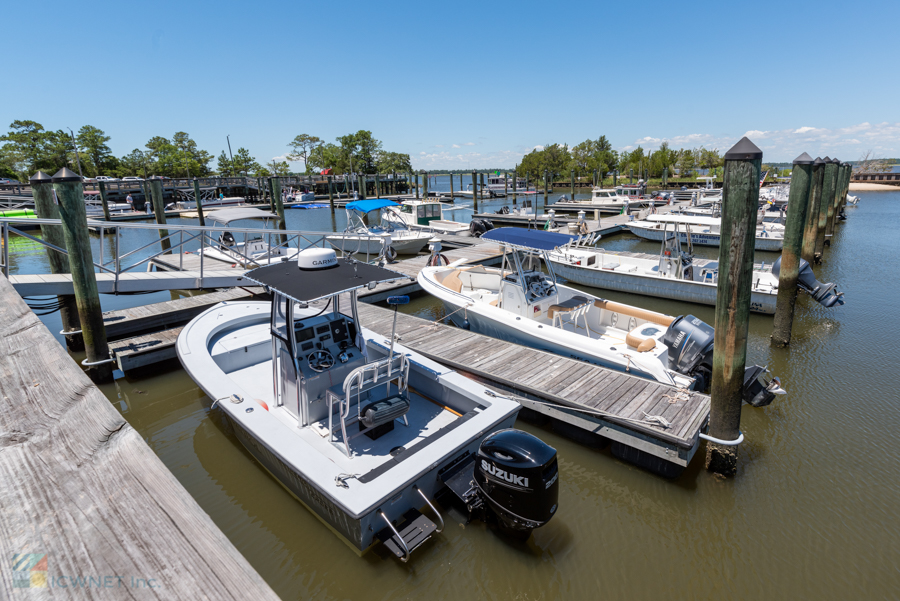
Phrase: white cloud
{"type": "Point", "coordinates": [438, 145]}
{"type": "Point", "coordinates": [803, 130]}
{"type": "Point", "coordinates": [455, 146]}
{"type": "Point", "coordinates": [755, 133]}
{"type": "Point", "coordinates": [282, 157]}
{"type": "Point", "coordinates": [469, 144]}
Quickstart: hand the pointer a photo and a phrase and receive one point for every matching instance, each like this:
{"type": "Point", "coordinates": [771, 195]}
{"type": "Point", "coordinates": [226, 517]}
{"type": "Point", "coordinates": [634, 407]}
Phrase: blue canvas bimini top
{"type": "Point", "coordinates": [370, 204]}
{"type": "Point", "coordinates": [532, 239]}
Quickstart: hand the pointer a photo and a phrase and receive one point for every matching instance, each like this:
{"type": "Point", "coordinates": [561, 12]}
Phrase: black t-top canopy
{"type": "Point", "coordinates": [307, 285]}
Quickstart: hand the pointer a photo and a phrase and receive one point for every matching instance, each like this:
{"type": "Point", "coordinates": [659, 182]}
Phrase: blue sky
{"type": "Point", "coordinates": [466, 84]}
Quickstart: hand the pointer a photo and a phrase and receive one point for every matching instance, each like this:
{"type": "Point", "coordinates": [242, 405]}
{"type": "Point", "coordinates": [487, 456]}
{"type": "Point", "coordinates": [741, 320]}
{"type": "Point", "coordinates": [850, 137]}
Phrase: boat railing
{"type": "Point", "coordinates": [169, 244]}
{"type": "Point", "coordinates": [390, 370]}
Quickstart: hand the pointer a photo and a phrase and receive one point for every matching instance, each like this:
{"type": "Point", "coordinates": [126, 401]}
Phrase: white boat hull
{"type": "Point", "coordinates": [703, 239]}
{"type": "Point", "coordinates": [654, 285]}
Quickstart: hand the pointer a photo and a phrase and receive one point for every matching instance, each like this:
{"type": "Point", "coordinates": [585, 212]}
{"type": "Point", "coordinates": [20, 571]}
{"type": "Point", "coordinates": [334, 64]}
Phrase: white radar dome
{"type": "Point", "coordinates": [316, 258]}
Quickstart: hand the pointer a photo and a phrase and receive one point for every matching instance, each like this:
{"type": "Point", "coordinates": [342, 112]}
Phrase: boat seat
{"type": "Point", "coordinates": [452, 281]}
{"type": "Point", "coordinates": [642, 346]}
{"type": "Point", "coordinates": [493, 303]}
{"type": "Point", "coordinates": [611, 266]}
{"type": "Point", "coordinates": [651, 316]}
{"type": "Point", "coordinates": [576, 302]}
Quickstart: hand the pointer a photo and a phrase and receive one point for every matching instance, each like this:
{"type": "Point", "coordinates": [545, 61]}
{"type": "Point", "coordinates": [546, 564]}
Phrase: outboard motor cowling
{"type": "Point", "coordinates": [825, 294]}
{"type": "Point", "coordinates": [517, 477]}
{"type": "Point", "coordinates": [226, 239]}
{"type": "Point", "coordinates": [690, 342]}
{"type": "Point", "coordinates": [759, 388]}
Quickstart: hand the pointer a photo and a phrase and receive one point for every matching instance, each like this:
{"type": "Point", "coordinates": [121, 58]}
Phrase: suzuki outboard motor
{"type": "Point", "coordinates": [690, 341]}
{"type": "Point", "coordinates": [824, 294]}
{"type": "Point", "coordinates": [513, 480]}
{"type": "Point", "coordinates": [517, 477]}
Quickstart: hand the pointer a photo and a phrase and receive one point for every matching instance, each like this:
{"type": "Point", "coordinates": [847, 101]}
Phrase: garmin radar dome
{"type": "Point", "coordinates": [314, 259]}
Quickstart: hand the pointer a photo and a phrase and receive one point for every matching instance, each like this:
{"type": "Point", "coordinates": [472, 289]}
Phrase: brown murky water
{"type": "Point", "coordinates": [813, 513]}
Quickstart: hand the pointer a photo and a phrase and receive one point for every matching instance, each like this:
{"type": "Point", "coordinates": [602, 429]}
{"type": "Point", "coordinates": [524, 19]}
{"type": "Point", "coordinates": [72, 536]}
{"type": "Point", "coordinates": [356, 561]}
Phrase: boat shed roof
{"type": "Point", "coordinates": [370, 204]}
{"type": "Point", "coordinates": [226, 216]}
{"type": "Point", "coordinates": [307, 285]}
{"type": "Point", "coordinates": [529, 239]}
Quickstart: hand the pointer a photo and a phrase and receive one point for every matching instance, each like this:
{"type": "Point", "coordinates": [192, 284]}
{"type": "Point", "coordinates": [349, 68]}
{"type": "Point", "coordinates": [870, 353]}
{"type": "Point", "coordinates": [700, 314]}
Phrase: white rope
{"type": "Point", "coordinates": [341, 479]}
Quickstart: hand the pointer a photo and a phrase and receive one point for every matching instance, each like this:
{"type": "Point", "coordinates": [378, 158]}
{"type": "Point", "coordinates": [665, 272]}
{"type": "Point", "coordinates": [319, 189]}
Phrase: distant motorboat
{"type": "Point", "coordinates": [358, 238]}
{"type": "Point", "coordinates": [703, 231]}
{"type": "Point", "coordinates": [251, 251]}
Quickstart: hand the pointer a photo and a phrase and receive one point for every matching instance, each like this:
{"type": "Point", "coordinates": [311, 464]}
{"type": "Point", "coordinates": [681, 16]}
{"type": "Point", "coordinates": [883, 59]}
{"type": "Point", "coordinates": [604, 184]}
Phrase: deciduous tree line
{"type": "Point", "coordinates": [598, 155]}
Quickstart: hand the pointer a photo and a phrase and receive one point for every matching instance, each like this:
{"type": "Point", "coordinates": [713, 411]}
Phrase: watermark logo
{"type": "Point", "coordinates": [29, 570]}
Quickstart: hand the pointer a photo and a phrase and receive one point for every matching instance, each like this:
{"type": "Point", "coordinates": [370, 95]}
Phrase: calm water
{"type": "Point", "coordinates": [812, 513]}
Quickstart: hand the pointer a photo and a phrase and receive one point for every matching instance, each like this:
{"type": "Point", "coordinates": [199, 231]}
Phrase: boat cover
{"type": "Point", "coordinates": [226, 216]}
{"type": "Point", "coordinates": [304, 285]}
{"type": "Point", "coordinates": [370, 204]}
{"type": "Point", "coordinates": [531, 239]}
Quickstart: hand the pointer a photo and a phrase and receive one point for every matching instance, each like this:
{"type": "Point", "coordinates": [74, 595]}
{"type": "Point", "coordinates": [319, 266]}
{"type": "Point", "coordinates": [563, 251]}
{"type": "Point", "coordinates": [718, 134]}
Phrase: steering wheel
{"type": "Point", "coordinates": [536, 288]}
{"type": "Point", "coordinates": [319, 361]}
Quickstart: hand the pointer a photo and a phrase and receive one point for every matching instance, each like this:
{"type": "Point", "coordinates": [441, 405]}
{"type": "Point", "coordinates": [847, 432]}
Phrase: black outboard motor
{"type": "Point", "coordinates": [502, 211]}
{"type": "Point", "coordinates": [824, 294]}
{"type": "Point", "coordinates": [480, 226]}
{"type": "Point", "coordinates": [690, 341]}
{"type": "Point", "coordinates": [517, 478]}
{"type": "Point", "coordinates": [226, 239]}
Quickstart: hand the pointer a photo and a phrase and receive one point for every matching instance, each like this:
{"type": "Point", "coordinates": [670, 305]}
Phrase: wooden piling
{"type": "Point", "coordinates": [810, 229]}
{"type": "Point", "coordinates": [46, 208]}
{"type": "Point", "coordinates": [572, 181]}
{"type": "Point", "coordinates": [546, 187]}
{"type": "Point", "coordinates": [425, 185]}
{"type": "Point", "coordinates": [451, 186]}
{"type": "Point", "coordinates": [70, 195]}
{"type": "Point", "coordinates": [331, 192]}
{"type": "Point", "coordinates": [515, 182]}
{"type": "Point", "coordinates": [159, 209]}
{"type": "Point", "coordinates": [798, 203]}
{"type": "Point", "coordinates": [474, 191]}
{"type": "Point", "coordinates": [481, 190]}
{"type": "Point", "coordinates": [828, 181]}
{"type": "Point", "coordinates": [505, 184]}
{"type": "Point", "coordinates": [832, 202]}
{"type": "Point", "coordinates": [104, 200]}
{"type": "Point", "coordinates": [417, 186]}
{"type": "Point", "coordinates": [740, 201]}
{"type": "Point", "coordinates": [665, 178]}
{"type": "Point", "coordinates": [377, 186]}
{"type": "Point", "coordinates": [275, 192]}
{"type": "Point", "coordinates": [631, 176]}
{"type": "Point", "coordinates": [199, 202]}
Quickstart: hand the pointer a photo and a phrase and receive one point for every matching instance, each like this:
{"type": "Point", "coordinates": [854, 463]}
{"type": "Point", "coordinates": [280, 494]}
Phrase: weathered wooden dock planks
{"type": "Point", "coordinates": [79, 486]}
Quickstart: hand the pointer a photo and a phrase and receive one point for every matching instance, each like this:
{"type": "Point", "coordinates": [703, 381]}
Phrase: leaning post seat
{"type": "Point", "coordinates": [651, 316]}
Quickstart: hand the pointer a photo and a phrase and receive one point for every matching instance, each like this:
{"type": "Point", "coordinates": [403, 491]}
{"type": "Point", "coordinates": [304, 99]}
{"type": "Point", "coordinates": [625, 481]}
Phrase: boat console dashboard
{"type": "Point", "coordinates": [324, 341]}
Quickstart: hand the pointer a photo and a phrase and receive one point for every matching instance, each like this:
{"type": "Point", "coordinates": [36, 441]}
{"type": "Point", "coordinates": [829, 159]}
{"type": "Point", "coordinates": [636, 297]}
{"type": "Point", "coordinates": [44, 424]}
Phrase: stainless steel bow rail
{"type": "Point", "coordinates": [186, 241]}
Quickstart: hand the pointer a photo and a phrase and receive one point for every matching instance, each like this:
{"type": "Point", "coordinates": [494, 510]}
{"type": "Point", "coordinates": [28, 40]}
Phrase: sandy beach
{"type": "Point", "coordinates": [867, 187]}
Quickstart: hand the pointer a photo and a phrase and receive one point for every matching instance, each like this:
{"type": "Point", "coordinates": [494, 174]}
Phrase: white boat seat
{"type": "Point", "coordinates": [576, 302]}
{"type": "Point", "coordinates": [651, 316]}
{"type": "Point", "coordinates": [611, 266]}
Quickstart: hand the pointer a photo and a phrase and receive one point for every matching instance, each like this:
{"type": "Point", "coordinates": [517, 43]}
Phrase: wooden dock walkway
{"type": "Point", "coordinates": [610, 404]}
{"type": "Point", "coordinates": [81, 489]}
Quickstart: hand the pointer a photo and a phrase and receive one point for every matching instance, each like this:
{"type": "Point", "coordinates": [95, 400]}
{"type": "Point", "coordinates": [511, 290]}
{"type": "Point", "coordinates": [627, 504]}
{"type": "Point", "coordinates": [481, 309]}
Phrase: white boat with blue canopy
{"type": "Point", "coordinates": [360, 238]}
{"type": "Point", "coordinates": [363, 431]}
{"type": "Point", "coordinates": [522, 302]}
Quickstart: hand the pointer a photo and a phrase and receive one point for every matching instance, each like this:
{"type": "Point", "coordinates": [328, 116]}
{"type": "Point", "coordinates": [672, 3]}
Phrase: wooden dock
{"type": "Point", "coordinates": [80, 489]}
{"type": "Point", "coordinates": [606, 403]}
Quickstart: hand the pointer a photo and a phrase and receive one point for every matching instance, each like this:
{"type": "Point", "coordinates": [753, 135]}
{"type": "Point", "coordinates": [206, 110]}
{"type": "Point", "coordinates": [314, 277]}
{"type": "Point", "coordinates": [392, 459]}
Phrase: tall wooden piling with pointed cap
{"type": "Point", "coordinates": [572, 181]}
{"type": "Point", "coordinates": [197, 197]}
{"type": "Point", "coordinates": [70, 194]}
{"type": "Point", "coordinates": [159, 210]}
{"type": "Point", "coordinates": [832, 202]}
{"type": "Point", "coordinates": [515, 182]}
{"type": "Point", "coordinates": [451, 186]}
{"type": "Point", "coordinates": [474, 191]}
{"type": "Point", "coordinates": [810, 229]}
{"type": "Point", "coordinates": [104, 200]}
{"type": "Point", "coordinates": [275, 192]}
{"type": "Point", "coordinates": [828, 181]}
{"type": "Point", "coordinates": [740, 200]}
{"type": "Point", "coordinates": [798, 205]}
{"type": "Point", "coordinates": [46, 208]}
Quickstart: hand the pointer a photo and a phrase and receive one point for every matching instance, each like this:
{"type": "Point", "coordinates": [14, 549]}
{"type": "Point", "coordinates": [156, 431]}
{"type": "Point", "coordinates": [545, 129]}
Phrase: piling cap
{"type": "Point", "coordinates": [826, 160]}
{"type": "Point", "coordinates": [804, 159]}
{"type": "Point", "coordinates": [818, 161]}
{"type": "Point", "coordinates": [744, 150]}
{"type": "Point", "coordinates": [40, 178]}
{"type": "Point", "coordinates": [835, 161]}
{"type": "Point", "coordinates": [65, 175]}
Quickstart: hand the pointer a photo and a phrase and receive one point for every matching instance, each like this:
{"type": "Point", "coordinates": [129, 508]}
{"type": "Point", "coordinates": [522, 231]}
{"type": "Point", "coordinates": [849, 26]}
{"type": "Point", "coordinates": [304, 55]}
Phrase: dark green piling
{"type": "Point", "coordinates": [159, 210]}
{"type": "Point", "coordinates": [417, 186]}
{"type": "Point", "coordinates": [199, 202]}
{"type": "Point", "coordinates": [451, 186]}
{"type": "Point", "coordinates": [832, 202]}
{"type": "Point", "coordinates": [828, 181]}
{"type": "Point", "coordinates": [331, 192]}
{"type": "Point", "coordinates": [377, 186]}
{"type": "Point", "coordinates": [546, 187]}
{"type": "Point", "coordinates": [808, 249]}
{"type": "Point", "coordinates": [46, 208]}
{"type": "Point", "coordinates": [275, 192]}
{"type": "Point", "coordinates": [572, 181]}
{"type": "Point", "coordinates": [70, 194]}
{"type": "Point", "coordinates": [104, 200]}
{"type": "Point", "coordinates": [739, 206]}
{"type": "Point", "coordinates": [425, 185]}
{"type": "Point", "coordinates": [798, 203]}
